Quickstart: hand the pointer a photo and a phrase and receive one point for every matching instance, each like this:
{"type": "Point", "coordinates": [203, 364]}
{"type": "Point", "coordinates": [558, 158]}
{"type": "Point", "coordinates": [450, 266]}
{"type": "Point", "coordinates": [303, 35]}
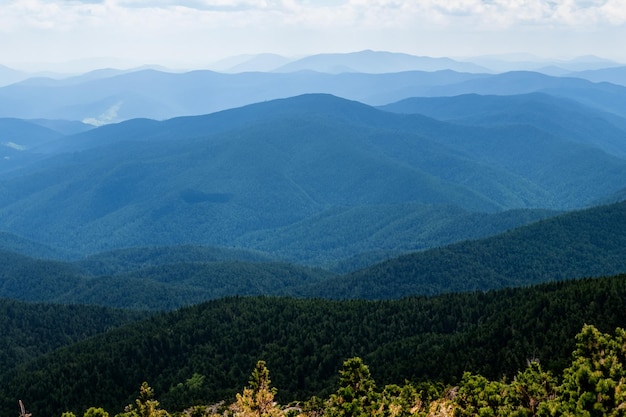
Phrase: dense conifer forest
{"type": "Point", "coordinates": [28, 330]}
{"type": "Point", "coordinates": [593, 384]}
{"type": "Point", "coordinates": [304, 342]}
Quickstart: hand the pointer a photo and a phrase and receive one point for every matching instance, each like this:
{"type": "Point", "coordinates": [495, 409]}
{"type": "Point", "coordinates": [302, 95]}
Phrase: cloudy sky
{"type": "Point", "coordinates": [196, 33]}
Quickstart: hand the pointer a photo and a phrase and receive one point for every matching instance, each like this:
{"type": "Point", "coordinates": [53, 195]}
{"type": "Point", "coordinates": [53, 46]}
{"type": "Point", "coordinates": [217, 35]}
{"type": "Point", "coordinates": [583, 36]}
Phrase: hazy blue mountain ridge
{"type": "Point", "coordinates": [254, 63]}
{"type": "Point", "coordinates": [613, 74]}
{"type": "Point", "coordinates": [162, 95]}
{"type": "Point", "coordinates": [558, 116]}
{"type": "Point", "coordinates": [20, 139]}
{"type": "Point", "coordinates": [25, 134]}
{"type": "Point", "coordinates": [376, 62]}
{"type": "Point", "coordinates": [603, 96]}
{"type": "Point", "coordinates": [234, 177]}
{"type": "Point", "coordinates": [383, 232]}
{"type": "Point", "coordinates": [10, 75]}
{"type": "Point", "coordinates": [528, 62]}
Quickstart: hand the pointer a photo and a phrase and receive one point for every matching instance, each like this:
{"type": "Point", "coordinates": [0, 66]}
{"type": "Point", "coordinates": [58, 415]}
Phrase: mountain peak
{"type": "Point", "coordinates": [376, 62]}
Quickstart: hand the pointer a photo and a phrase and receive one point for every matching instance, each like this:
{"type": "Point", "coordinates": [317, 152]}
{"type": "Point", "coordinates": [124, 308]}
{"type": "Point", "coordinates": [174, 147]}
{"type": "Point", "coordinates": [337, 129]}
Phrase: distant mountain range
{"type": "Point", "coordinates": [161, 95]}
{"type": "Point", "coordinates": [109, 96]}
{"type": "Point", "coordinates": [368, 61]}
{"type": "Point", "coordinates": [10, 76]}
{"type": "Point", "coordinates": [558, 116]}
{"type": "Point", "coordinates": [604, 96]}
{"type": "Point", "coordinates": [615, 75]}
{"type": "Point", "coordinates": [376, 62]}
{"type": "Point", "coordinates": [250, 63]}
{"type": "Point", "coordinates": [529, 62]}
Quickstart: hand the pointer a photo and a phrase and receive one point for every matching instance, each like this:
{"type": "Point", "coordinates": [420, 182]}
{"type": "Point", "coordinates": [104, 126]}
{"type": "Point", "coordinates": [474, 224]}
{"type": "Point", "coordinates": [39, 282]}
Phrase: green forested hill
{"type": "Point", "coordinates": [305, 341]}
{"type": "Point", "coordinates": [12, 243]}
{"type": "Point", "coordinates": [29, 330]}
{"type": "Point", "coordinates": [28, 279]}
{"type": "Point", "coordinates": [149, 279]}
{"type": "Point", "coordinates": [133, 259]}
{"type": "Point", "coordinates": [170, 286]}
{"type": "Point", "coordinates": [579, 244]}
{"type": "Point", "coordinates": [334, 239]}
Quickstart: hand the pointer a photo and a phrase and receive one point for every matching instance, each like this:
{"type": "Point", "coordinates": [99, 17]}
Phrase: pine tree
{"type": "Point", "coordinates": [356, 396]}
{"type": "Point", "coordinates": [145, 405]}
{"type": "Point", "coordinates": [257, 400]}
{"type": "Point", "coordinates": [530, 391]}
{"type": "Point", "coordinates": [95, 412]}
{"type": "Point", "coordinates": [595, 384]}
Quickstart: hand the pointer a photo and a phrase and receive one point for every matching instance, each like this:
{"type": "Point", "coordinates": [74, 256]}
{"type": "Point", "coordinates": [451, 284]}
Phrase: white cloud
{"type": "Point", "coordinates": [14, 145]}
{"type": "Point", "coordinates": [206, 30]}
{"type": "Point", "coordinates": [108, 116]}
{"type": "Point", "coordinates": [511, 12]}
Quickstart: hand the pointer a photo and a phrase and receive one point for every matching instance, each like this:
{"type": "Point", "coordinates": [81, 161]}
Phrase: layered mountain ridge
{"type": "Point", "coordinates": [235, 177]}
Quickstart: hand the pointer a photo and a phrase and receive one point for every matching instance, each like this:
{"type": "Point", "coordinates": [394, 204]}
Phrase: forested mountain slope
{"type": "Point", "coordinates": [133, 259]}
{"type": "Point", "coordinates": [28, 279]}
{"type": "Point", "coordinates": [146, 280]}
{"type": "Point", "coordinates": [305, 341]}
{"type": "Point", "coordinates": [233, 178]}
{"type": "Point", "coordinates": [580, 244]}
{"type": "Point", "coordinates": [573, 245]}
{"type": "Point", "coordinates": [25, 134]}
{"type": "Point", "coordinates": [29, 330]}
{"type": "Point", "coordinates": [16, 244]}
{"type": "Point", "coordinates": [383, 232]}
{"type": "Point", "coordinates": [18, 138]}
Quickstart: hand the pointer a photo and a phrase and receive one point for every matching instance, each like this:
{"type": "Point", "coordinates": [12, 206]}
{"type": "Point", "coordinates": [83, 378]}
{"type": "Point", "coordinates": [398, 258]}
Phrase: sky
{"type": "Point", "coordinates": [190, 34]}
